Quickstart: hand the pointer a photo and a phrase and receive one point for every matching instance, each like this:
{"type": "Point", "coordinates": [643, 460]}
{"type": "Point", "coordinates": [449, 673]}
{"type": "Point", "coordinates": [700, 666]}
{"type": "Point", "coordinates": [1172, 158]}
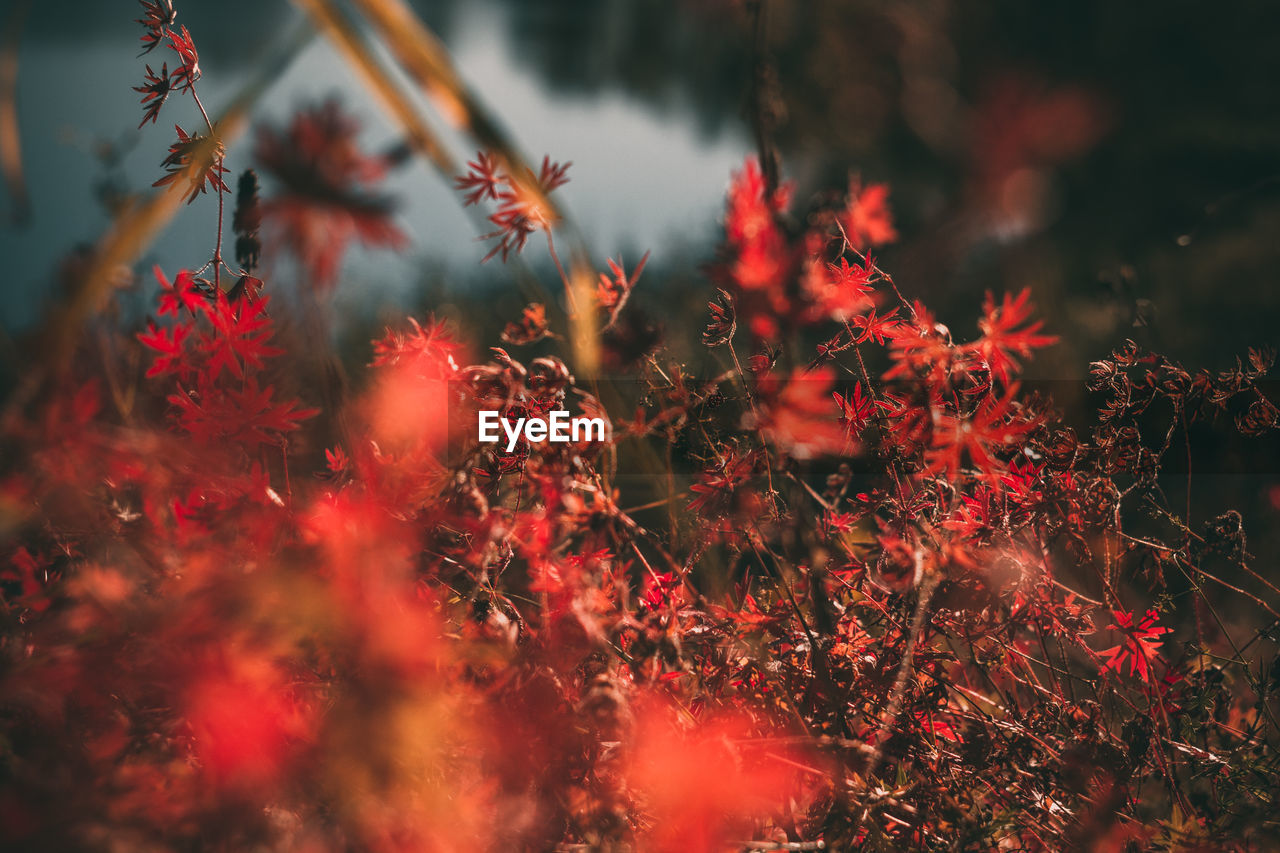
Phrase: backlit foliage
{"type": "Point", "coordinates": [875, 594]}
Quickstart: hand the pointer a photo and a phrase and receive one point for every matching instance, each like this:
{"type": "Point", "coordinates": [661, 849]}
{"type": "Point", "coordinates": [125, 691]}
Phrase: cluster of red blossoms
{"type": "Point", "coordinates": [844, 591]}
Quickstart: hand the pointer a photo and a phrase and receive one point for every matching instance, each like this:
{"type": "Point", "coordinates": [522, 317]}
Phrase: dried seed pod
{"type": "Point", "coordinates": [549, 374]}
{"type": "Point", "coordinates": [724, 320]}
{"type": "Point", "coordinates": [1060, 448]}
{"type": "Point", "coordinates": [1261, 417]}
{"type": "Point", "coordinates": [246, 221]}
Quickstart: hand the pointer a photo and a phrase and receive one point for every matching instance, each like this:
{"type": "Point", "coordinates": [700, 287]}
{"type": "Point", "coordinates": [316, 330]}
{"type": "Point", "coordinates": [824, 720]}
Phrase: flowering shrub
{"type": "Point", "coordinates": [881, 597]}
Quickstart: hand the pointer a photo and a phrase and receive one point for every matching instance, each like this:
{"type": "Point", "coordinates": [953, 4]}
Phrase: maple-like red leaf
{"type": "Point", "coordinates": [239, 336]}
{"type": "Point", "coordinates": [246, 415]}
{"type": "Point", "coordinates": [553, 175]}
{"type": "Point", "coordinates": [866, 219]}
{"type": "Point", "coordinates": [530, 328]}
{"type": "Point", "coordinates": [181, 293]}
{"type": "Point", "coordinates": [856, 409]}
{"type": "Point", "coordinates": [197, 159]}
{"type": "Point", "coordinates": [838, 292]}
{"type": "Point", "coordinates": [714, 488]}
{"type": "Point", "coordinates": [158, 16]}
{"type": "Point", "coordinates": [757, 254]}
{"type": "Point", "coordinates": [827, 350]}
{"type": "Point", "coordinates": [921, 349]}
{"type": "Point", "coordinates": [155, 91]}
{"type": "Point", "coordinates": [976, 515]}
{"type": "Point", "coordinates": [1005, 338]}
{"type": "Point", "coordinates": [1140, 644]}
{"type": "Point", "coordinates": [878, 328]}
{"type": "Point", "coordinates": [483, 179]}
{"type": "Point", "coordinates": [1021, 478]}
{"type": "Point", "coordinates": [660, 591]}
{"type": "Point", "coordinates": [750, 209]}
{"type": "Point", "coordinates": [514, 228]}
{"type": "Point", "coordinates": [796, 415]}
{"type": "Point", "coordinates": [908, 422]}
{"type": "Point", "coordinates": [169, 343]}
{"type": "Point", "coordinates": [613, 292]}
{"type": "Point", "coordinates": [336, 460]}
{"type": "Point", "coordinates": [853, 277]}
{"type": "Point", "coordinates": [185, 75]}
{"type": "Point", "coordinates": [522, 210]}
{"type": "Point", "coordinates": [431, 349]}
{"type": "Point", "coordinates": [327, 196]}
{"type": "Point", "coordinates": [977, 438]}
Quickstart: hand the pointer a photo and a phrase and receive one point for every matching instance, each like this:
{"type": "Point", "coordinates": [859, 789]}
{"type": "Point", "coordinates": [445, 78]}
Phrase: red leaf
{"type": "Point", "coordinates": [866, 219]}
{"type": "Point", "coordinates": [1002, 340]}
{"type": "Point", "coordinates": [328, 195]}
{"type": "Point", "coordinates": [184, 155]}
{"type": "Point", "coordinates": [168, 342]}
{"type": "Point", "coordinates": [1139, 646]}
{"type": "Point", "coordinates": [855, 410]}
{"type": "Point", "coordinates": [155, 91]}
{"type": "Point", "coordinates": [189, 72]}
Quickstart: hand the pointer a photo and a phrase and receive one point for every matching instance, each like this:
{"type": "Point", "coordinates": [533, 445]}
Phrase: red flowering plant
{"type": "Point", "coordinates": [855, 600]}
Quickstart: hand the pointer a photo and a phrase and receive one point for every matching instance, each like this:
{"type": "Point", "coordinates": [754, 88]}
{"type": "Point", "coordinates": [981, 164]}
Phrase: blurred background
{"type": "Point", "coordinates": [1120, 159]}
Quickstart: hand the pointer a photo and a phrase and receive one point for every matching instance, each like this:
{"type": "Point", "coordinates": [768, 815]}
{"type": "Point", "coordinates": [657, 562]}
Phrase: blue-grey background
{"type": "Point", "coordinates": [1160, 225]}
